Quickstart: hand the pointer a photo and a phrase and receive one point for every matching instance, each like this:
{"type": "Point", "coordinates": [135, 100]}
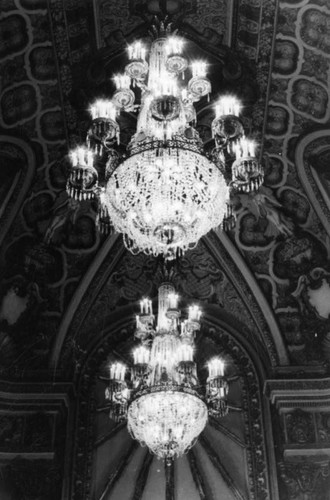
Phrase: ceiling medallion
{"type": "Point", "coordinates": [165, 405]}
{"type": "Point", "coordinates": [165, 193]}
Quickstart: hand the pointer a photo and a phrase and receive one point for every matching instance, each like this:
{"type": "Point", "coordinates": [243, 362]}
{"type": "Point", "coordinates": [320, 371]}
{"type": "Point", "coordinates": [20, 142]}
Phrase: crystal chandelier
{"type": "Point", "coordinates": [165, 406]}
{"type": "Point", "coordinates": [165, 193]}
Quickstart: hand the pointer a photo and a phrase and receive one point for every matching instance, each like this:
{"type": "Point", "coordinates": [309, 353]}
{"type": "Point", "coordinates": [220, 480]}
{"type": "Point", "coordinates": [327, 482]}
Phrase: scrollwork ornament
{"type": "Point", "coordinates": [300, 427]}
{"type": "Point", "coordinates": [323, 427]}
{"type": "Point", "coordinates": [305, 480]}
{"type": "Point", "coordinates": [312, 292]}
{"type": "Point", "coordinates": [31, 479]}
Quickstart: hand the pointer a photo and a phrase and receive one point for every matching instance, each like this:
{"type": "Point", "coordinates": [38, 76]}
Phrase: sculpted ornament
{"type": "Point", "coordinates": [65, 209]}
{"type": "Point", "coordinates": [263, 204]}
{"type": "Point", "coordinates": [298, 255]}
{"type": "Point", "coordinates": [313, 293]}
{"type": "Point", "coordinates": [299, 427]}
{"type": "Point", "coordinates": [323, 427]}
{"type": "Point", "coordinates": [19, 299]}
{"type": "Point", "coordinates": [30, 479]}
{"type": "Point", "coordinates": [305, 481]}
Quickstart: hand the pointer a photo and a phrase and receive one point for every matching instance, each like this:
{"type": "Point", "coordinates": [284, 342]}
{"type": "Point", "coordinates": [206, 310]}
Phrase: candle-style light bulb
{"type": "Point", "coordinates": [173, 300]}
{"type": "Point", "coordinates": [117, 371]}
{"type": "Point", "coordinates": [136, 51]}
{"type": "Point", "coordinates": [227, 105]}
{"type": "Point", "coordinates": [194, 313]}
{"type": "Point", "coordinates": [198, 69]}
{"type": "Point", "coordinates": [122, 81]}
{"type": "Point", "coordinates": [141, 355]}
{"type": "Point", "coordinates": [185, 352]}
{"type": "Point", "coordinates": [244, 148]}
{"type": "Point", "coordinates": [174, 46]}
{"type": "Point", "coordinates": [216, 368]}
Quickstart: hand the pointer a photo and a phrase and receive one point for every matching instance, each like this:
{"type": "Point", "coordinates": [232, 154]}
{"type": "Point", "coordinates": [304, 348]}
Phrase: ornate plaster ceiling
{"type": "Point", "coordinates": [64, 286]}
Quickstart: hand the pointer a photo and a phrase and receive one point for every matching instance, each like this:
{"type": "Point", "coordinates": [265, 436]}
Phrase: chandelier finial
{"type": "Point", "coordinates": [161, 27]}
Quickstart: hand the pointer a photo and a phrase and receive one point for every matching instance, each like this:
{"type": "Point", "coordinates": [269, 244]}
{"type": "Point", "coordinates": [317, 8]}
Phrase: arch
{"type": "Point", "coordinates": [259, 444]}
{"type": "Point", "coordinates": [308, 146]}
{"type": "Point", "coordinates": [263, 314]}
{"type": "Point", "coordinates": [20, 154]}
{"type": "Point", "coordinates": [225, 255]}
{"type": "Point", "coordinates": [110, 247]}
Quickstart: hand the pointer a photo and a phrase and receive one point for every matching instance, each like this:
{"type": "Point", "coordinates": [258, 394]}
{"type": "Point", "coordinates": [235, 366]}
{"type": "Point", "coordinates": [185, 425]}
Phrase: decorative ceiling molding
{"type": "Point", "coordinates": [226, 256]}
{"type": "Point", "coordinates": [314, 144]}
{"type": "Point", "coordinates": [274, 342]}
{"type": "Point", "coordinates": [22, 159]}
{"type": "Point", "coordinates": [306, 393]}
{"type": "Point", "coordinates": [85, 284]}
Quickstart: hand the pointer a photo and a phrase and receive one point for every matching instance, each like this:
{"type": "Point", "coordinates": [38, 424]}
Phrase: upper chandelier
{"type": "Point", "coordinates": [165, 193]}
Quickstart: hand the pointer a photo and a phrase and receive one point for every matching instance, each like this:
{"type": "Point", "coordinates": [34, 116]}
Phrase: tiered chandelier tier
{"type": "Point", "coordinates": [165, 193]}
{"type": "Point", "coordinates": [165, 406]}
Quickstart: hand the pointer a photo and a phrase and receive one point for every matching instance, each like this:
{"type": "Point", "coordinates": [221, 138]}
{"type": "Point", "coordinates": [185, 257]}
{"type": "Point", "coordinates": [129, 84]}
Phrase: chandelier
{"type": "Point", "coordinates": [165, 192]}
{"type": "Point", "coordinates": [160, 396]}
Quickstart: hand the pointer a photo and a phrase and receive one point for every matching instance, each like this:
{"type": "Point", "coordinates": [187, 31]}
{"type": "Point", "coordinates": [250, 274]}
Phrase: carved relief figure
{"type": "Point", "coordinates": [263, 204]}
{"type": "Point", "coordinates": [313, 293]}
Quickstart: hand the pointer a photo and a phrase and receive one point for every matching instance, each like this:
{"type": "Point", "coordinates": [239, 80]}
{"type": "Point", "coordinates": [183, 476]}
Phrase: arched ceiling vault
{"type": "Point", "coordinates": [239, 442]}
{"type": "Point", "coordinates": [68, 295]}
{"type": "Point", "coordinates": [92, 305]}
{"type": "Point", "coordinates": [63, 57]}
{"type": "Point", "coordinates": [311, 157]}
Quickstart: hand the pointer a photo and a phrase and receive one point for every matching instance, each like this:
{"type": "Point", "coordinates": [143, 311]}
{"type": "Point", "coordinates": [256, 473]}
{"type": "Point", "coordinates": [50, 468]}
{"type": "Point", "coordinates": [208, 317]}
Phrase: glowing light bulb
{"type": "Point", "coordinates": [216, 367]}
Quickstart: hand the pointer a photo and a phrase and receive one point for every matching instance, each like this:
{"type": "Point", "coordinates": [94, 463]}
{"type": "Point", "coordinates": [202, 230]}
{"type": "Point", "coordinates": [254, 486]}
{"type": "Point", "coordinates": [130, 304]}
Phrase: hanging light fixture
{"type": "Point", "coordinates": [160, 396]}
{"type": "Point", "coordinates": [165, 193]}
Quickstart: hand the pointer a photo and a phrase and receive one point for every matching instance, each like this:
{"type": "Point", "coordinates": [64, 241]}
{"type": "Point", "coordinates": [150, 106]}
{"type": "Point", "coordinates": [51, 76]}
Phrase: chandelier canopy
{"type": "Point", "coordinates": [165, 193]}
{"type": "Point", "coordinates": [165, 406]}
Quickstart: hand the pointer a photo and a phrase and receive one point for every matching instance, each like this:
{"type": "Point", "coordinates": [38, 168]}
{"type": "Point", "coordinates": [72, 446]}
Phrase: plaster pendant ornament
{"type": "Point", "coordinates": [165, 193]}
{"type": "Point", "coordinates": [163, 402]}
{"type": "Point", "coordinates": [313, 293]}
{"type": "Point", "coordinates": [319, 299]}
{"type": "Point", "coordinates": [13, 305]}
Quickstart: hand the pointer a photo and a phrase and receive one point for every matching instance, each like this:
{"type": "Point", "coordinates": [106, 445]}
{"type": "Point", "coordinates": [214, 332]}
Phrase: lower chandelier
{"type": "Point", "coordinates": [165, 406]}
